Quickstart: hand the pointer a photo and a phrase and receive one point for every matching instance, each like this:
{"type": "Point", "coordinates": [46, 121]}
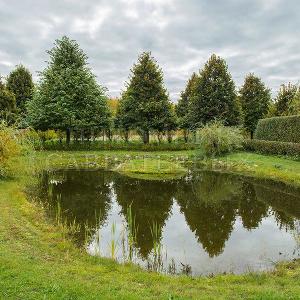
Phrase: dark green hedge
{"type": "Point", "coordinates": [282, 129]}
{"type": "Point", "coordinates": [99, 145]}
{"type": "Point", "coordinates": [273, 147]}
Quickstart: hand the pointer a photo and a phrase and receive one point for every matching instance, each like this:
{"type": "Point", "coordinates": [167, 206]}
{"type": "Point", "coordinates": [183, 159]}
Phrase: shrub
{"type": "Point", "coordinates": [47, 135]}
{"type": "Point", "coordinates": [281, 129]}
{"type": "Point", "coordinates": [9, 147]}
{"type": "Point", "coordinates": [29, 139]}
{"type": "Point", "coordinates": [273, 147]}
{"type": "Point", "coordinates": [217, 139]}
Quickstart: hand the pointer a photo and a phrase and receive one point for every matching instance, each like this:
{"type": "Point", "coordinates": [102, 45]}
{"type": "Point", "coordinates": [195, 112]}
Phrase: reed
{"type": "Point", "coordinates": [156, 262]}
{"type": "Point", "coordinates": [132, 230]}
{"type": "Point", "coordinates": [113, 242]}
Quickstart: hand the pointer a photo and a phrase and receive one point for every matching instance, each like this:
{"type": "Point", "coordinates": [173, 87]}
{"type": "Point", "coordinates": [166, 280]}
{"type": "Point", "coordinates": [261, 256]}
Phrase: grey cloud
{"type": "Point", "coordinates": [258, 36]}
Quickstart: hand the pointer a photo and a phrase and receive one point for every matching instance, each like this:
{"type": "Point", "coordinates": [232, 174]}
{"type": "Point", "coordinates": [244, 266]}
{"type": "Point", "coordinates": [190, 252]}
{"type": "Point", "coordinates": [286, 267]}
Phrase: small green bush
{"type": "Point", "coordinates": [9, 147]}
{"type": "Point", "coordinates": [281, 129]}
{"type": "Point", "coordinates": [216, 139]}
{"type": "Point", "coordinates": [30, 139]}
{"type": "Point", "coordinates": [47, 135]}
{"type": "Point", "coordinates": [273, 147]}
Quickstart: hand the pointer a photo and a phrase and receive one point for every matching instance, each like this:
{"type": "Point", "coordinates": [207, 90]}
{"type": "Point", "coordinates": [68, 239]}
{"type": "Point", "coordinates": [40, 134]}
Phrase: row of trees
{"type": "Point", "coordinates": [211, 95]}
{"type": "Point", "coordinates": [68, 97]}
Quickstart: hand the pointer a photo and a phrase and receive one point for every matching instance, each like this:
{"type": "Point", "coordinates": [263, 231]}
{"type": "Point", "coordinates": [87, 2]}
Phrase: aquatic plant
{"type": "Point", "coordinates": [132, 230]}
{"type": "Point", "coordinates": [113, 241]}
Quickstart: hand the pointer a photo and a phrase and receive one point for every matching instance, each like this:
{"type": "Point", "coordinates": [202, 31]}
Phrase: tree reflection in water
{"type": "Point", "coordinates": [210, 202]}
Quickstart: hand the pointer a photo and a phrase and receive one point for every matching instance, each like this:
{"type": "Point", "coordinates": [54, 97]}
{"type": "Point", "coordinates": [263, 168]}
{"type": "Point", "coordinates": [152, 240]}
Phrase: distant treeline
{"type": "Point", "coordinates": [68, 98]}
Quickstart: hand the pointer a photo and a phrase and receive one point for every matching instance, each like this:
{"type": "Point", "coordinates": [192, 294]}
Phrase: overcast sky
{"type": "Point", "coordinates": [260, 36]}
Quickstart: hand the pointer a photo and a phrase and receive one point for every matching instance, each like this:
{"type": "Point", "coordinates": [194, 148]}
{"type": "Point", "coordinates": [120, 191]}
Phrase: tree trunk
{"type": "Point", "coordinates": [195, 136]}
{"type": "Point", "coordinates": [251, 133]}
{"type": "Point", "coordinates": [109, 134]}
{"type": "Point", "coordinates": [169, 134]}
{"type": "Point", "coordinates": [75, 134]}
{"type": "Point", "coordinates": [93, 134]}
{"type": "Point", "coordinates": [146, 136]}
{"type": "Point", "coordinates": [159, 137]}
{"type": "Point", "coordinates": [68, 136]}
{"type": "Point", "coordinates": [126, 135]}
{"type": "Point", "coordinates": [185, 135]}
{"type": "Point", "coordinates": [82, 135]}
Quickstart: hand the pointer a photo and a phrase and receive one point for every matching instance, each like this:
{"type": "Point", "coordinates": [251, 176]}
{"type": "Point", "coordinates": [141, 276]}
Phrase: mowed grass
{"type": "Point", "coordinates": [39, 261]}
{"type": "Point", "coordinates": [151, 169]}
{"type": "Point", "coordinates": [264, 166]}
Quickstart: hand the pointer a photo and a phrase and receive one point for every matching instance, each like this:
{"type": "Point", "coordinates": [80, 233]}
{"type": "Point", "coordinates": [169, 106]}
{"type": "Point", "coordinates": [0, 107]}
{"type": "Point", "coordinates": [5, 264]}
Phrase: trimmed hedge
{"type": "Point", "coordinates": [273, 147]}
{"type": "Point", "coordinates": [281, 129]}
{"type": "Point", "coordinates": [99, 145]}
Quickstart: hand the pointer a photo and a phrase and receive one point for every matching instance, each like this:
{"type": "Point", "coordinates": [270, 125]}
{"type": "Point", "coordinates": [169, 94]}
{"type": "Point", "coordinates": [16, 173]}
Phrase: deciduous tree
{"type": "Point", "coordinates": [68, 95]}
{"type": "Point", "coordinates": [294, 107]}
{"type": "Point", "coordinates": [20, 83]}
{"type": "Point", "coordinates": [215, 96]}
{"type": "Point", "coordinates": [255, 99]}
{"type": "Point", "coordinates": [147, 101]}
{"type": "Point", "coordinates": [284, 98]}
{"type": "Point", "coordinates": [182, 107]}
{"type": "Point", "coordinates": [7, 104]}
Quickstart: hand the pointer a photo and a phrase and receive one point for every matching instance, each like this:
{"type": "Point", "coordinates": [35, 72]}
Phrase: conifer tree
{"type": "Point", "coordinates": [20, 83]}
{"type": "Point", "coordinates": [255, 99]}
{"type": "Point", "coordinates": [215, 96]}
{"type": "Point", "coordinates": [182, 107]}
{"type": "Point", "coordinates": [284, 99]}
{"type": "Point", "coordinates": [68, 95]}
{"type": "Point", "coordinates": [146, 97]}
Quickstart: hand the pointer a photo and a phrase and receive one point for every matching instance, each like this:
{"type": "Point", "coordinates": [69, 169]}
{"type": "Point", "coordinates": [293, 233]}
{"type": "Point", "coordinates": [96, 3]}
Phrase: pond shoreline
{"type": "Point", "coordinates": [40, 257]}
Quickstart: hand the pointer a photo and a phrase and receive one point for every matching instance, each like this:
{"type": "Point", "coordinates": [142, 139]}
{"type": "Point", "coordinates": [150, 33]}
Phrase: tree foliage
{"type": "Point", "coordinates": [20, 83]}
{"type": "Point", "coordinates": [145, 102]}
{"type": "Point", "coordinates": [294, 108]}
{"type": "Point", "coordinates": [182, 108]}
{"type": "Point", "coordinates": [68, 95]}
{"type": "Point", "coordinates": [255, 99]}
{"type": "Point", "coordinates": [7, 104]}
{"type": "Point", "coordinates": [284, 99]}
{"type": "Point", "coordinates": [217, 139]}
{"type": "Point", "coordinates": [125, 117]}
{"type": "Point", "coordinates": [215, 96]}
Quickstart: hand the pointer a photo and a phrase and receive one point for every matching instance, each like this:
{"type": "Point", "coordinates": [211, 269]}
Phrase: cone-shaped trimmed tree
{"type": "Point", "coordinates": [68, 95]}
{"type": "Point", "coordinates": [284, 99]}
{"type": "Point", "coordinates": [182, 107]}
{"type": "Point", "coordinates": [20, 83]}
{"type": "Point", "coordinates": [146, 97]}
{"type": "Point", "coordinates": [215, 96]}
{"type": "Point", "coordinates": [255, 99]}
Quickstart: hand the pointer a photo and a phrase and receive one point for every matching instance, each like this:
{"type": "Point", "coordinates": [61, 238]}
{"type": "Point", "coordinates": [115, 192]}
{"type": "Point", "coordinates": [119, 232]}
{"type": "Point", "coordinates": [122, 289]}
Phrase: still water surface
{"type": "Point", "coordinates": [203, 223]}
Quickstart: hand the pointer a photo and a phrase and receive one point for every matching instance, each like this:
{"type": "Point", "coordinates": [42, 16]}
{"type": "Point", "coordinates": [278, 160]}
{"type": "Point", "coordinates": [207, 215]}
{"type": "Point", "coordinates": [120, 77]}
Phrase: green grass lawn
{"type": "Point", "coordinates": [151, 169]}
{"type": "Point", "coordinates": [39, 261]}
{"type": "Point", "coordinates": [262, 166]}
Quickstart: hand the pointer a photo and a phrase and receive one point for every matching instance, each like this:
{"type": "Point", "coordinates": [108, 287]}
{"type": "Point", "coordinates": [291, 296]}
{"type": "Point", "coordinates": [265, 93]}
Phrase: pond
{"type": "Point", "coordinates": [204, 223]}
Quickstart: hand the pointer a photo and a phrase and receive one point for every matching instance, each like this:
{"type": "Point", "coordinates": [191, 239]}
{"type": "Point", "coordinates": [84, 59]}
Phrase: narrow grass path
{"type": "Point", "coordinates": [38, 261]}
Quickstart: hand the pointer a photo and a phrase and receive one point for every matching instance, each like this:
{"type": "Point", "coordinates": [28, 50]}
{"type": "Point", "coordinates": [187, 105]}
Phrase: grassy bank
{"type": "Point", "coordinates": [38, 260]}
{"type": "Point", "coordinates": [260, 166]}
{"type": "Point", "coordinates": [151, 169]}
